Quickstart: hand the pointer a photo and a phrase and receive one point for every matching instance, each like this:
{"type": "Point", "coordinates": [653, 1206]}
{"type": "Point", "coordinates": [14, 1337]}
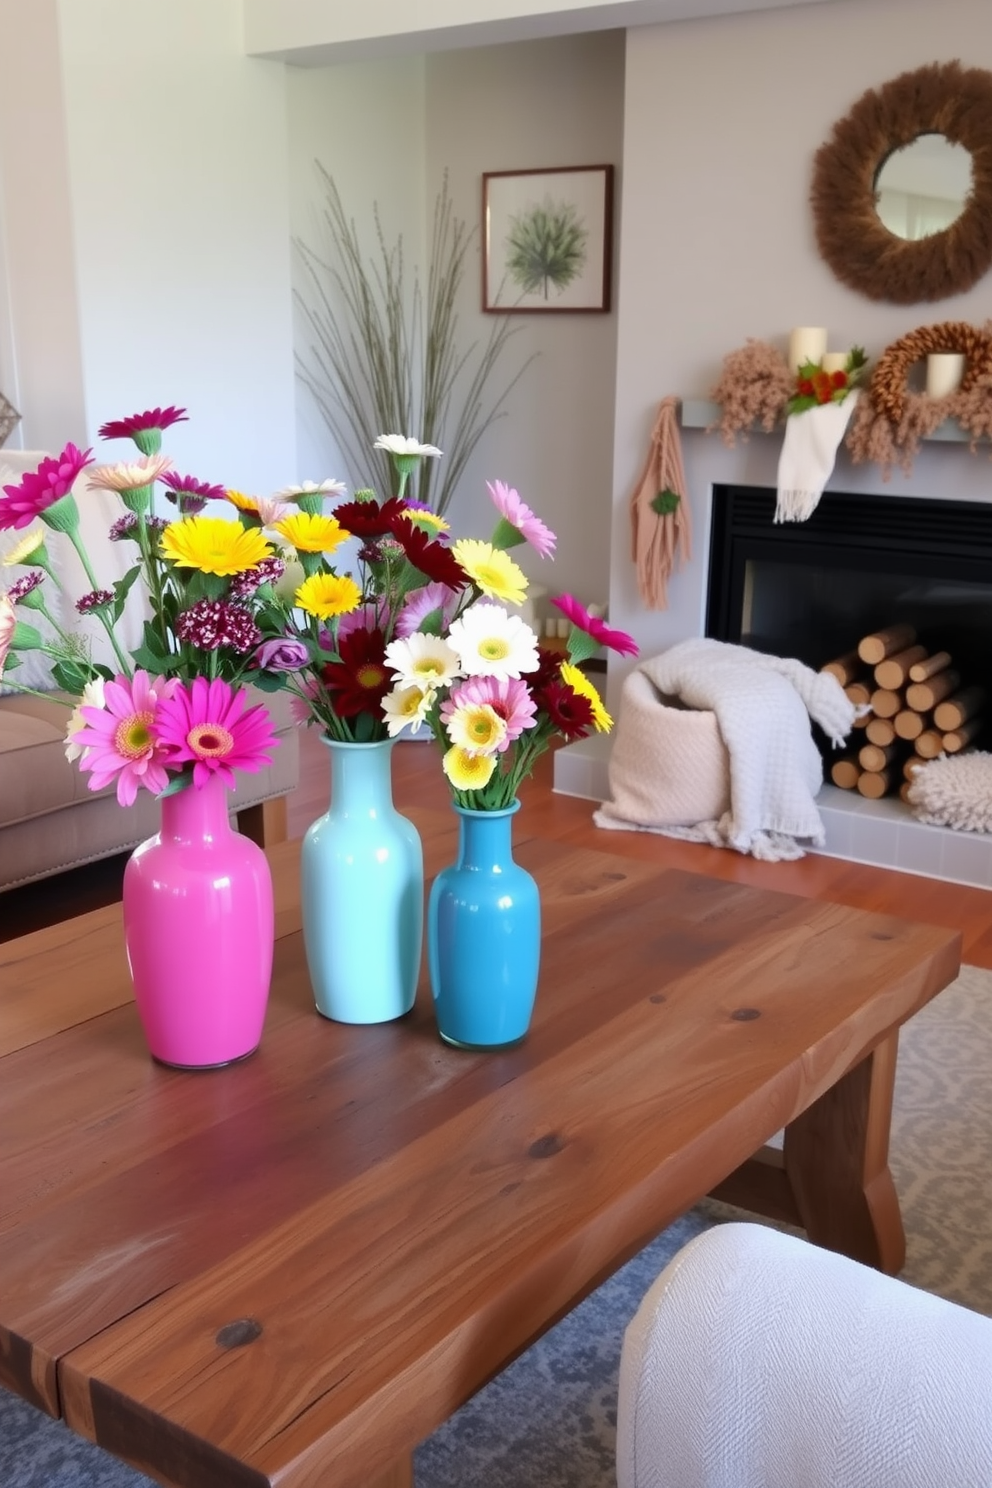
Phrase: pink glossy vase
{"type": "Point", "coordinates": [199, 930]}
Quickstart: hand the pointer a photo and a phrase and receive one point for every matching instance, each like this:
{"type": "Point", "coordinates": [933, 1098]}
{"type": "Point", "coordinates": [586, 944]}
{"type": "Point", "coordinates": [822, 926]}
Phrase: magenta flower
{"type": "Point", "coordinates": [207, 724]}
{"type": "Point", "coordinates": [189, 494]}
{"type": "Point", "coordinates": [283, 654]}
{"type": "Point", "coordinates": [245, 583]}
{"type": "Point", "coordinates": [363, 617]}
{"type": "Point", "coordinates": [25, 585]}
{"type": "Point", "coordinates": [518, 515]}
{"type": "Point", "coordinates": [118, 738]}
{"type": "Point", "coordinates": [137, 423]}
{"type": "Point", "coordinates": [41, 488]}
{"type": "Point", "coordinates": [616, 640]}
{"type": "Point", "coordinates": [508, 697]}
{"type": "Point", "coordinates": [420, 603]}
{"type": "Point", "coordinates": [212, 623]}
{"type": "Point", "coordinates": [96, 599]}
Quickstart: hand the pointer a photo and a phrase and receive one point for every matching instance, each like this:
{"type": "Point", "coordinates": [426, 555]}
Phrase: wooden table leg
{"type": "Point", "coordinates": [837, 1163]}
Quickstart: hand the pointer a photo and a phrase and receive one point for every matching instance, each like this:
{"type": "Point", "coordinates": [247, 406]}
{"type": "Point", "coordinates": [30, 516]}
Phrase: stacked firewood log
{"type": "Point", "coordinates": [915, 707]}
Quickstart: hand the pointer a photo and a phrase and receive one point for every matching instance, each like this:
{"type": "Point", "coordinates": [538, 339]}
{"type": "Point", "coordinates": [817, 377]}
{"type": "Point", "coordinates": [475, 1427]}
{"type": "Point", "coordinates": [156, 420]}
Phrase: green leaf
{"type": "Point", "coordinates": [69, 677]}
{"type": "Point", "coordinates": [121, 589]}
{"type": "Point", "coordinates": [665, 502]}
{"type": "Point", "coordinates": [159, 662]}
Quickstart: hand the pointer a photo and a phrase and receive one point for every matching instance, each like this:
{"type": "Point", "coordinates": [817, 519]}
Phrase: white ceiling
{"type": "Point", "coordinates": [314, 33]}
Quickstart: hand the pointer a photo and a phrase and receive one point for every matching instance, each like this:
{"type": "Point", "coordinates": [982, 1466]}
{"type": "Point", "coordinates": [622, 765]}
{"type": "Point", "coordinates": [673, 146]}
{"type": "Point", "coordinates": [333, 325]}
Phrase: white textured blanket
{"type": "Point", "coordinates": [763, 706]}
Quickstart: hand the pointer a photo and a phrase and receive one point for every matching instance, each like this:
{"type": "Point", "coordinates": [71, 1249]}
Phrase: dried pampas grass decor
{"type": "Point", "coordinates": [943, 98]}
{"type": "Point", "coordinates": [755, 385]}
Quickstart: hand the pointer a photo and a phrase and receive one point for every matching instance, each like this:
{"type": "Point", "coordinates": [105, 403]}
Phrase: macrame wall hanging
{"type": "Point", "coordinates": [659, 510]}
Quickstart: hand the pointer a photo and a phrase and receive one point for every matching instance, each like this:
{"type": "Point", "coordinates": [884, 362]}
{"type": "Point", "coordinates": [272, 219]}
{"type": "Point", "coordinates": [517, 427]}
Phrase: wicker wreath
{"type": "Point", "coordinates": [943, 98]}
{"type": "Point", "coordinates": [888, 389]}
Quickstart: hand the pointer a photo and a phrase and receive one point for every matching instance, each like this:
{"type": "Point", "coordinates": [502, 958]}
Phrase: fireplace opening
{"type": "Point", "coordinates": [860, 564]}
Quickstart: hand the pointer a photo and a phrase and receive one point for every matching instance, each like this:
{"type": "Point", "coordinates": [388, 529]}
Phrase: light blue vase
{"type": "Point", "coordinates": [362, 890]}
{"type": "Point", "coordinates": [484, 937]}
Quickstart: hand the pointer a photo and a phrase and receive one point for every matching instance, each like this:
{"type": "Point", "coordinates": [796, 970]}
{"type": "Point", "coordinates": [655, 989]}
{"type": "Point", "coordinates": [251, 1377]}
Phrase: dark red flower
{"type": "Point", "coordinates": [135, 423]}
{"type": "Point", "coordinates": [839, 379]}
{"type": "Point", "coordinates": [368, 518]}
{"type": "Point", "coordinates": [360, 680]}
{"type": "Point", "coordinates": [569, 711]}
{"type": "Point", "coordinates": [433, 559]}
{"type": "Point", "coordinates": [548, 670]}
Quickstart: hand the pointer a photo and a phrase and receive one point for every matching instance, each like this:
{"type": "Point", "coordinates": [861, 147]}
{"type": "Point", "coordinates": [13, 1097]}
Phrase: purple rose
{"type": "Point", "coordinates": [284, 654]}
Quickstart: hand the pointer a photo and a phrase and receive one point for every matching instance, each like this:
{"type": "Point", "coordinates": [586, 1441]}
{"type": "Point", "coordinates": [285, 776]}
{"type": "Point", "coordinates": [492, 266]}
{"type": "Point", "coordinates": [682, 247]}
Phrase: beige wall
{"type": "Point", "coordinates": [42, 353]}
{"type": "Point", "coordinates": [723, 118]}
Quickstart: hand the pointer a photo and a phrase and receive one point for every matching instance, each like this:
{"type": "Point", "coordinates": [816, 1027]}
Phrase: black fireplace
{"type": "Point", "coordinates": [859, 564]}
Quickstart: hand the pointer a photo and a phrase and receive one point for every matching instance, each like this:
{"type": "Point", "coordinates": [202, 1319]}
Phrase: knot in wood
{"type": "Point", "coordinates": [546, 1146]}
{"type": "Point", "coordinates": [238, 1333]}
{"type": "Point", "coordinates": [745, 1015]}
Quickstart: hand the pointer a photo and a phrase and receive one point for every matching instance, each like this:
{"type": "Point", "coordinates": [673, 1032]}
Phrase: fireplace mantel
{"type": "Point", "coordinates": [700, 413]}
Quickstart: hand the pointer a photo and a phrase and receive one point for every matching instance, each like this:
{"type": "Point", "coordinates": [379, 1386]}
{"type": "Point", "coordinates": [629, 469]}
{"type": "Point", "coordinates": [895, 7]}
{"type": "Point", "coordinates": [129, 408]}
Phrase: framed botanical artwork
{"type": "Point", "coordinates": [546, 237]}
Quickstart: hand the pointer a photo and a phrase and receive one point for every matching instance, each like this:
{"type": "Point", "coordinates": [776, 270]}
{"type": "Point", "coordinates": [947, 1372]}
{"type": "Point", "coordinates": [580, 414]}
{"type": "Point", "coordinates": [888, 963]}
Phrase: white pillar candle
{"type": "Point", "coordinates": [834, 361]}
{"type": "Point", "coordinates": [806, 344]}
{"type": "Point", "coordinates": [945, 370]}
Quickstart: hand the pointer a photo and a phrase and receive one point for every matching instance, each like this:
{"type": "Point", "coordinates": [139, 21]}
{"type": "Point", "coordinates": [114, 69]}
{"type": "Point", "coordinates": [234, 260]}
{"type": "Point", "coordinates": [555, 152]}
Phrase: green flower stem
{"type": "Point", "coordinates": [150, 563]}
{"type": "Point", "coordinates": [77, 543]}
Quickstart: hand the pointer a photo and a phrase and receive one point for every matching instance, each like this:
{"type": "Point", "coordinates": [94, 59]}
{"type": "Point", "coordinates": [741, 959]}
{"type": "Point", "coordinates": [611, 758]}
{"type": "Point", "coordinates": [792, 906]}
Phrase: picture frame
{"type": "Point", "coordinates": [547, 237]}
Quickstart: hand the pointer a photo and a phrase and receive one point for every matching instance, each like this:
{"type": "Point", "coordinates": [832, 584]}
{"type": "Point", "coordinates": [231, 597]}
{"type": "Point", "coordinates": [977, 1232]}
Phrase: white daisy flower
{"type": "Point", "coordinates": [492, 643]}
{"type": "Point", "coordinates": [312, 488]}
{"type": "Point", "coordinates": [422, 661]}
{"type": "Point", "coordinates": [92, 698]}
{"type": "Point", "coordinates": [406, 707]}
{"type": "Point", "coordinates": [401, 444]}
{"type": "Point", "coordinates": [477, 728]}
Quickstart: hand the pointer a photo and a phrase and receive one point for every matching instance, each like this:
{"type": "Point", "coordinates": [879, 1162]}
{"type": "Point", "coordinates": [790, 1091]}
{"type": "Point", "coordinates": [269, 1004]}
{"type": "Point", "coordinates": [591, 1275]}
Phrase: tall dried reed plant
{"type": "Point", "coordinates": [383, 360]}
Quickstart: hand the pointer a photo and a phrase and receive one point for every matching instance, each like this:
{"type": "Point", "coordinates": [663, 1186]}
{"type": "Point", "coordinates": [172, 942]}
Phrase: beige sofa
{"type": "Point", "coordinates": [50, 820]}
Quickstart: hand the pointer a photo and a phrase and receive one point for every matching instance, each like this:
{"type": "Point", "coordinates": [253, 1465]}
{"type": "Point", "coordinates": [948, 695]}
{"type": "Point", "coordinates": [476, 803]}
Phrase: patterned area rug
{"type": "Point", "coordinates": [550, 1418]}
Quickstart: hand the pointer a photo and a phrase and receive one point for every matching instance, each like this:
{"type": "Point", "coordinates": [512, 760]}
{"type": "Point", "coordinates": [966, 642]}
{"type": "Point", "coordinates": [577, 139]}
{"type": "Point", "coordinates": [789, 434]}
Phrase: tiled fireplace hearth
{"type": "Point", "coordinates": [812, 590]}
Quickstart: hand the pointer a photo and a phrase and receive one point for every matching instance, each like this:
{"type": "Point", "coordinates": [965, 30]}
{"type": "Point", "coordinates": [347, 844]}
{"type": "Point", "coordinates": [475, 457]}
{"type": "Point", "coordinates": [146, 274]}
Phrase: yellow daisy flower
{"type": "Point", "coordinates": [325, 595]}
{"type": "Point", "coordinates": [311, 534]}
{"type": "Point", "coordinates": [468, 771]}
{"type": "Point", "coordinates": [492, 570]}
{"type": "Point", "coordinates": [580, 683]}
{"type": "Point", "coordinates": [430, 521]}
{"type": "Point", "coordinates": [213, 545]}
{"type": "Point", "coordinates": [243, 502]}
{"type": "Point", "coordinates": [21, 552]}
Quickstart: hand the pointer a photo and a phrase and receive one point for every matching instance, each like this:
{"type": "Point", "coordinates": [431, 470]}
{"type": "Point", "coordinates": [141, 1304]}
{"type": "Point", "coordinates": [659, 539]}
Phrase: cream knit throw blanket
{"type": "Point", "coordinates": [763, 706]}
{"type": "Point", "coordinates": [808, 454]}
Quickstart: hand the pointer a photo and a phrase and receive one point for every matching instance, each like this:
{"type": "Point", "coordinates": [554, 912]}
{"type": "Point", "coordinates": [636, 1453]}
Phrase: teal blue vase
{"type": "Point", "coordinates": [362, 891]}
{"type": "Point", "coordinates": [484, 937]}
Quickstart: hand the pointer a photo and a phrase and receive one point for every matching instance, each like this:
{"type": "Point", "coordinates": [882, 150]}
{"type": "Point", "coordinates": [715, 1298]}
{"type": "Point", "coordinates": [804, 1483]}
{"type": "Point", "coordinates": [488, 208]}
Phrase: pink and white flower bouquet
{"type": "Point", "coordinates": [476, 676]}
{"type": "Point", "coordinates": [175, 711]}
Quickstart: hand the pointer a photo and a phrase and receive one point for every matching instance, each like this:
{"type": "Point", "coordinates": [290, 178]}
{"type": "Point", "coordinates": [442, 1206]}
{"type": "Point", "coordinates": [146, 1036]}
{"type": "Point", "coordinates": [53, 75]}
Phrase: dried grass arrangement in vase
{"type": "Point", "coordinates": [384, 354]}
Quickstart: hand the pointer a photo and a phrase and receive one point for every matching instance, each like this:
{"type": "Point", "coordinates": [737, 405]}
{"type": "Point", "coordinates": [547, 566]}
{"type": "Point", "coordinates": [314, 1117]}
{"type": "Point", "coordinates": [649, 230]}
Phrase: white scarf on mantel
{"type": "Point", "coordinates": [807, 459]}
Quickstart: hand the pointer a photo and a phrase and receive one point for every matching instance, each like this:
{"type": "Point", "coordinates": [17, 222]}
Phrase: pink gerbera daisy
{"type": "Point", "coordinates": [208, 725]}
{"type": "Point", "coordinates": [420, 603]}
{"type": "Point", "coordinates": [41, 488]}
{"type": "Point", "coordinates": [616, 640]}
{"type": "Point", "coordinates": [509, 699]}
{"type": "Point", "coordinates": [119, 738]}
{"type": "Point", "coordinates": [518, 517]}
{"type": "Point", "coordinates": [136, 423]}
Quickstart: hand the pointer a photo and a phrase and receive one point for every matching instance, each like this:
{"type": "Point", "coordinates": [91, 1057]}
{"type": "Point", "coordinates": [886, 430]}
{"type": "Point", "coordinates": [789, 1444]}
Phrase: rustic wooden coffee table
{"type": "Point", "coordinates": [291, 1271]}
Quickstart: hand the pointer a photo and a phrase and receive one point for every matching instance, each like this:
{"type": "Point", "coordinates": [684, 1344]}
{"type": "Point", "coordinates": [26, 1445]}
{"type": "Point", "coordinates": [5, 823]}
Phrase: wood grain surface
{"type": "Point", "coordinates": [291, 1271]}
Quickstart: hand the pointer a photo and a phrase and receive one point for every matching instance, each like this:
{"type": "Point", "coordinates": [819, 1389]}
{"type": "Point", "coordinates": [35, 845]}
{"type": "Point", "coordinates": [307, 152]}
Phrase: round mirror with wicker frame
{"type": "Point", "coordinates": [943, 98]}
